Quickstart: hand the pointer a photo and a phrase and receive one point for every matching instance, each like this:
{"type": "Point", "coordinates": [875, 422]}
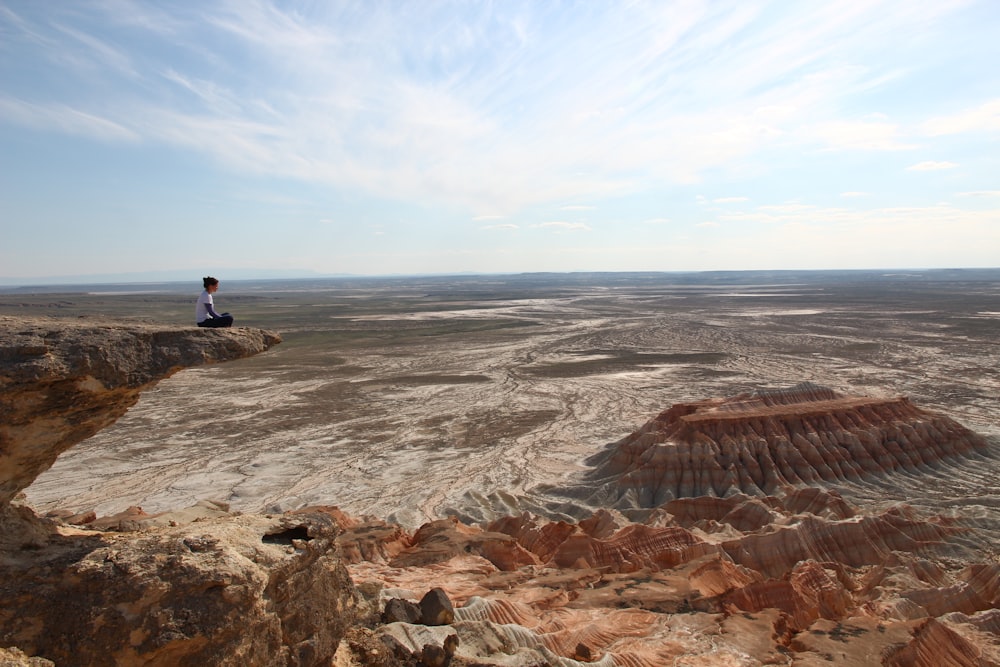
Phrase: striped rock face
{"type": "Point", "coordinates": [766, 442]}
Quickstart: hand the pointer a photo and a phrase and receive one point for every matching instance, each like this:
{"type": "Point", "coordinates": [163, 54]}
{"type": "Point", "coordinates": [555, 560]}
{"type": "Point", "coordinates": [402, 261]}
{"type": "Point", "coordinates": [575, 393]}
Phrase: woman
{"type": "Point", "coordinates": [204, 310]}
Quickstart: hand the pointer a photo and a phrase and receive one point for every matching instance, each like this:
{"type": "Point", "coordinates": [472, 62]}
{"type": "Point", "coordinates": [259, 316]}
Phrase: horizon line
{"type": "Point", "coordinates": [173, 277]}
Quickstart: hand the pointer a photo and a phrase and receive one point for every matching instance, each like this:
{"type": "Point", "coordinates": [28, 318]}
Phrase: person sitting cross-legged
{"type": "Point", "coordinates": [204, 311]}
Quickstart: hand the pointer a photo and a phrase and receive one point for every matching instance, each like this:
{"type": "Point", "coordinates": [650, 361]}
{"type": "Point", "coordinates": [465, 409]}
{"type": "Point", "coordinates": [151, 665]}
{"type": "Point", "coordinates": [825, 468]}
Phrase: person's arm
{"type": "Point", "coordinates": [209, 302]}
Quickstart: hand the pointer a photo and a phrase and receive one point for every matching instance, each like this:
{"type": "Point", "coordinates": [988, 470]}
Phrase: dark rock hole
{"type": "Point", "coordinates": [286, 536]}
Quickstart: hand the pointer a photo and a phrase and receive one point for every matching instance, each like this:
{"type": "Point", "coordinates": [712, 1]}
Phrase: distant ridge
{"type": "Point", "coordinates": [161, 277]}
{"type": "Point", "coordinates": [716, 277]}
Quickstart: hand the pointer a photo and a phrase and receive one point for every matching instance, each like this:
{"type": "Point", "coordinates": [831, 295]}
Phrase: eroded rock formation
{"type": "Point", "coordinates": [607, 590]}
{"type": "Point", "coordinates": [766, 442]}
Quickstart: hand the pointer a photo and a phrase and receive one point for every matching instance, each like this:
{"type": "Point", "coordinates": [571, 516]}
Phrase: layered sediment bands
{"type": "Point", "coordinates": [766, 442]}
{"type": "Point", "coordinates": [699, 579]}
{"type": "Point", "coordinates": [61, 381]}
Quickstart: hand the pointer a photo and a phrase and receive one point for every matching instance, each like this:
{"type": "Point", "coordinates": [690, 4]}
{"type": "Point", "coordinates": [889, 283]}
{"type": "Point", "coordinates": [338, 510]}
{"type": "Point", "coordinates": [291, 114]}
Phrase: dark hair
{"type": "Point", "coordinates": [209, 280]}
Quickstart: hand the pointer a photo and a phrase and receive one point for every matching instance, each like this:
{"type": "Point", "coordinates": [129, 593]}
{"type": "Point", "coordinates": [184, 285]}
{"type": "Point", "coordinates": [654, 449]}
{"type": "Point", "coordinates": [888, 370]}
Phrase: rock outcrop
{"type": "Point", "coordinates": [770, 441]}
{"type": "Point", "coordinates": [238, 590]}
{"type": "Point", "coordinates": [61, 381]}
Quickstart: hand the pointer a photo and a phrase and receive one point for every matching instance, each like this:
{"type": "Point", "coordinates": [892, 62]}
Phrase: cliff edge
{"type": "Point", "coordinates": [62, 381]}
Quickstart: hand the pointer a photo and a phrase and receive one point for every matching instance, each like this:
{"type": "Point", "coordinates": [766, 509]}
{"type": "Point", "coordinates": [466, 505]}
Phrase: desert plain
{"type": "Point", "coordinates": [417, 398]}
{"type": "Point", "coordinates": [487, 435]}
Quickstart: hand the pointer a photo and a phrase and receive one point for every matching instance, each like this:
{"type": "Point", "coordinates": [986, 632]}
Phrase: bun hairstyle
{"type": "Point", "coordinates": [209, 280]}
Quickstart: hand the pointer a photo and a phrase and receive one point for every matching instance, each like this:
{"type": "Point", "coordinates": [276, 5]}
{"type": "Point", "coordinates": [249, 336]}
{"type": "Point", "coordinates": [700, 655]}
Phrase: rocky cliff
{"type": "Point", "coordinates": [63, 380]}
{"type": "Point", "coordinates": [199, 590]}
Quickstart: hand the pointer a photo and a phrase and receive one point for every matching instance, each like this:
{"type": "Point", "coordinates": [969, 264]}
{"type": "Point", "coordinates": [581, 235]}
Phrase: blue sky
{"type": "Point", "coordinates": [433, 137]}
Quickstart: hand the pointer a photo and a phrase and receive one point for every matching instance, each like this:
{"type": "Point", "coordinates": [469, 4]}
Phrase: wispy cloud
{"type": "Point", "coordinates": [984, 118]}
{"type": "Point", "coordinates": [354, 98]}
{"type": "Point", "coordinates": [497, 116]}
{"type": "Point", "coordinates": [979, 193]}
{"type": "Point", "coordinates": [97, 53]}
{"type": "Point", "coordinates": [931, 165]}
{"type": "Point", "coordinates": [787, 207]}
{"type": "Point", "coordinates": [560, 226]}
{"type": "Point", "coordinates": [64, 119]}
{"type": "Point", "coordinates": [861, 135]}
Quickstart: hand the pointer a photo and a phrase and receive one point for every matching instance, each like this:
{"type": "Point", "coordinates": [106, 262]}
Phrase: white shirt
{"type": "Point", "coordinates": [201, 308]}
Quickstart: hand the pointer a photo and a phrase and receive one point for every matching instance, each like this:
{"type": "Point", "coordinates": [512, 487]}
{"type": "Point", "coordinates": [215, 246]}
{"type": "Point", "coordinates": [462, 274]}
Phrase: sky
{"type": "Point", "coordinates": [402, 137]}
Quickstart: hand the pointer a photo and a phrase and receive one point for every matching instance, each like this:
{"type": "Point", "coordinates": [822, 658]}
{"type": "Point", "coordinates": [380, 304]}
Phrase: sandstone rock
{"type": "Point", "coordinates": [477, 643]}
{"type": "Point", "coordinates": [978, 590]}
{"type": "Point", "coordinates": [440, 540]}
{"type": "Point", "coordinates": [15, 657]}
{"type": "Point", "coordinates": [61, 381]}
{"type": "Point", "coordinates": [771, 441]}
{"type": "Point", "coordinates": [433, 655]}
{"type": "Point", "coordinates": [398, 610]}
{"type": "Point", "coordinates": [230, 591]}
{"type": "Point", "coordinates": [870, 541]}
{"type": "Point", "coordinates": [860, 641]}
{"type": "Point", "coordinates": [632, 548]}
{"type": "Point", "coordinates": [935, 644]}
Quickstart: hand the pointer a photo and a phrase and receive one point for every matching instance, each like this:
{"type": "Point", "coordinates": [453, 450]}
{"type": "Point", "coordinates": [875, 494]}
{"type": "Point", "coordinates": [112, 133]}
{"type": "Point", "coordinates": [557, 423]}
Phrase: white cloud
{"type": "Point", "coordinates": [931, 165]}
{"type": "Point", "coordinates": [787, 207]}
{"type": "Point", "coordinates": [561, 226]}
{"type": "Point", "coordinates": [980, 193]}
{"type": "Point", "coordinates": [576, 208]}
{"type": "Point", "coordinates": [984, 118]}
{"type": "Point", "coordinates": [913, 236]}
{"type": "Point", "coordinates": [506, 225]}
{"type": "Point", "coordinates": [355, 99]}
{"type": "Point", "coordinates": [730, 200]}
{"type": "Point", "coordinates": [708, 223]}
{"type": "Point", "coordinates": [860, 135]}
{"type": "Point", "coordinates": [853, 193]}
{"type": "Point", "coordinates": [64, 119]}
